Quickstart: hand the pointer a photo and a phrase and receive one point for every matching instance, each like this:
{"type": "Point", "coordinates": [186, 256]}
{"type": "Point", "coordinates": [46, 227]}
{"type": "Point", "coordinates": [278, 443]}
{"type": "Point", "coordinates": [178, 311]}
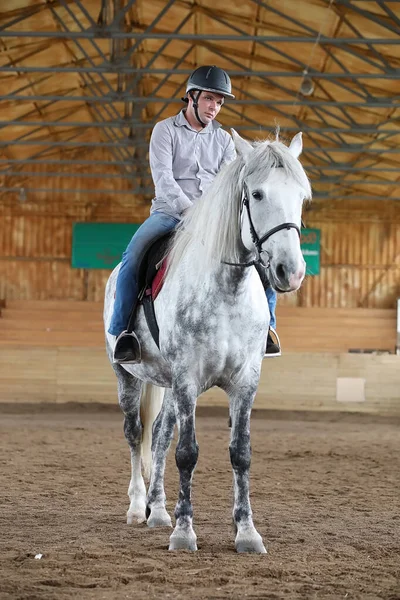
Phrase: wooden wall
{"type": "Point", "coordinates": [306, 381]}
{"type": "Point", "coordinates": [360, 262]}
{"type": "Point", "coordinates": [360, 254]}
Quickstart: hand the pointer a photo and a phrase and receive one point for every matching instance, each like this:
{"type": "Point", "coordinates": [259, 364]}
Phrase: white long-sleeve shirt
{"type": "Point", "coordinates": [184, 161]}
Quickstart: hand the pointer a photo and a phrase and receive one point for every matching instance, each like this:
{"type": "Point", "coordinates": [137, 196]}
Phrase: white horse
{"type": "Point", "coordinates": [213, 319]}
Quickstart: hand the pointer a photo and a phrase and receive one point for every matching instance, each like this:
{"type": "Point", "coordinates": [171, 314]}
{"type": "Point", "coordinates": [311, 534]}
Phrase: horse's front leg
{"type": "Point", "coordinates": [187, 451]}
{"type": "Point", "coordinates": [247, 537]}
{"type": "Point", "coordinates": [163, 430]}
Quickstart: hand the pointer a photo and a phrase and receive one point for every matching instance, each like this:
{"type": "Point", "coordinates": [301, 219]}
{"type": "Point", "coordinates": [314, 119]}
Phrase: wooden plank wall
{"type": "Point", "coordinates": [53, 351]}
{"type": "Point", "coordinates": [301, 329]}
{"type": "Point", "coordinates": [305, 381]}
{"type": "Point", "coordinates": [360, 259]}
{"type": "Point", "coordinates": [360, 266]}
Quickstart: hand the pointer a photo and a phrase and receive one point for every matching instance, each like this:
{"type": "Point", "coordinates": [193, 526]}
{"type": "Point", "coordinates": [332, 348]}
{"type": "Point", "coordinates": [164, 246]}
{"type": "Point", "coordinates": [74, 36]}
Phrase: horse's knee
{"type": "Point", "coordinates": [133, 429]}
{"type": "Point", "coordinates": [126, 403]}
{"type": "Point", "coordinates": [186, 455]}
{"type": "Point", "coordinates": [240, 457]}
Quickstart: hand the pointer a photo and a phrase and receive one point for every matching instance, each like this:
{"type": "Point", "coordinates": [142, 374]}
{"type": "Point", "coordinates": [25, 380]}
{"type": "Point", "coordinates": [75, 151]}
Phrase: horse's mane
{"type": "Point", "coordinates": [212, 224]}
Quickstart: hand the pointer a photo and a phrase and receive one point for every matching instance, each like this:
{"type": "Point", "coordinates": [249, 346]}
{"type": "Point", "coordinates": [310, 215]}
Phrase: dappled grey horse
{"type": "Point", "coordinates": [213, 319]}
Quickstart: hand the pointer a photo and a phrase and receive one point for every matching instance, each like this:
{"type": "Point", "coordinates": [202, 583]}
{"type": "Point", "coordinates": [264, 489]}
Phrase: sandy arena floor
{"type": "Point", "coordinates": [325, 497]}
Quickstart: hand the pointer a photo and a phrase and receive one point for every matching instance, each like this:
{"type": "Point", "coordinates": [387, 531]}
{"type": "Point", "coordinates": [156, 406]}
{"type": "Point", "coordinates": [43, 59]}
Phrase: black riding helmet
{"type": "Point", "coordinates": [210, 79]}
{"type": "Point", "coordinates": [207, 79]}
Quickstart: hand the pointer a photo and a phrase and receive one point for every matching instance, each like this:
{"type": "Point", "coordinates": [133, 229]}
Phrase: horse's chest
{"type": "Point", "coordinates": [216, 321]}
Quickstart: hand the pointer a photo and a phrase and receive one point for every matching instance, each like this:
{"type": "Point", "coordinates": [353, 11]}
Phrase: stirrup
{"type": "Point", "coordinates": [127, 350]}
{"type": "Point", "coordinates": [275, 338]}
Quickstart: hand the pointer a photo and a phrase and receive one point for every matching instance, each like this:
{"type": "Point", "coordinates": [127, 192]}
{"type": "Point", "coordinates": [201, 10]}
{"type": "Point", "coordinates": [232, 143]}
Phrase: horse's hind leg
{"type": "Point", "coordinates": [129, 392]}
{"type": "Point", "coordinates": [247, 537]}
{"type": "Point", "coordinates": [163, 430]}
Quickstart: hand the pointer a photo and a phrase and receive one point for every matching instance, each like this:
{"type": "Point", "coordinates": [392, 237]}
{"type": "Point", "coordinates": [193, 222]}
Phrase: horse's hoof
{"type": "Point", "coordinates": [183, 540]}
{"type": "Point", "coordinates": [135, 517]}
{"type": "Point", "coordinates": [136, 513]}
{"type": "Point", "coordinates": [251, 544]}
{"type": "Point", "coordinates": [159, 518]}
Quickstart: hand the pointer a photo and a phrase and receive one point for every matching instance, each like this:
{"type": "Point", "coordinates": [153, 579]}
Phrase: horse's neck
{"type": "Point", "coordinates": [235, 279]}
{"type": "Point", "coordinates": [232, 279]}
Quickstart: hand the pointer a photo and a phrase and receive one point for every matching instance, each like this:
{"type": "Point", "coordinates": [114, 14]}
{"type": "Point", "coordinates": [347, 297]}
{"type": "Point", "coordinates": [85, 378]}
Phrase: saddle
{"type": "Point", "coordinates": [150, 277]}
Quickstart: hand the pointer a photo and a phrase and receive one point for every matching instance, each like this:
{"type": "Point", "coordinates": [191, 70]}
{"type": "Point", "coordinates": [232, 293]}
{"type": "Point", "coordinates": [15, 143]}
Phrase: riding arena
{"type": "Point", "coordinates": [227, 456]}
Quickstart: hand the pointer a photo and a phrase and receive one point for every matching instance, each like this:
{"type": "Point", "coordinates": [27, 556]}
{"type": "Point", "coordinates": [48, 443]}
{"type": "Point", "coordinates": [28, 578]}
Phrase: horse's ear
{"type": "Point", "coordinates": [296, 145]}
{"type": "Point", "coordinates": [243, 147]}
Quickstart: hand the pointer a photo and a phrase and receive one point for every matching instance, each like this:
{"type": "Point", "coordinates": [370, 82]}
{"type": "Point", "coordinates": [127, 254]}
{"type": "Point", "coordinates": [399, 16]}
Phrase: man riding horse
{"type": "Point", "coordinates": [186, 153]}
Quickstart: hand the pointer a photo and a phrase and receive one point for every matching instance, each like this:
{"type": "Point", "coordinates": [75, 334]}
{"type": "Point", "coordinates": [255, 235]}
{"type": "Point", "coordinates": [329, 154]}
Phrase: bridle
{"type": "Point", "coordinates": [258, 241]}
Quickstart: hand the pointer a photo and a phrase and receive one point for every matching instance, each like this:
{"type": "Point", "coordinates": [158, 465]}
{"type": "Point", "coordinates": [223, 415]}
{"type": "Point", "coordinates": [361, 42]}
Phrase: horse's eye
{"type": "Point", "coordinates": [257, 195]}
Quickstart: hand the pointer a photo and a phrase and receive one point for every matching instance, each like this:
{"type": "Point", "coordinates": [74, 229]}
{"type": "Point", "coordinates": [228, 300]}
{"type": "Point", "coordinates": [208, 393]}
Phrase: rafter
{"type": "Point", "coordinates": [111, 68]}
{"type": "Point", "coordinates": [386, 23]}
{"type": "Point", "coordinates": [359, 130]}
{"type": "Point", "coordinates": [92, 84]}
{"type": "Point", "coordinates": [129, 192]}
{"type": "Point", "coordinates": [195, 37]}
{"type": "Point", "coordinates": [144, 67]}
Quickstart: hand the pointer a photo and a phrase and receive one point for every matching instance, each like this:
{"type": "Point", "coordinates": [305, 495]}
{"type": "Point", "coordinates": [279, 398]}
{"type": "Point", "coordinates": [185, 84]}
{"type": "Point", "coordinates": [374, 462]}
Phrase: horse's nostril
{"type": "Point", "coordinates": [280, 271]}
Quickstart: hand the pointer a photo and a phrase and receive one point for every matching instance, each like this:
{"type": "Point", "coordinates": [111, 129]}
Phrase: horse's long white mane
{"type": "Point", "coordinates": [212, 224]}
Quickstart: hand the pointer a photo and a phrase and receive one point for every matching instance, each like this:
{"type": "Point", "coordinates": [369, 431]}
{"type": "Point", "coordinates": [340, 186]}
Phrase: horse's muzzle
{"type": "Point", "coordinates": [286, 279]}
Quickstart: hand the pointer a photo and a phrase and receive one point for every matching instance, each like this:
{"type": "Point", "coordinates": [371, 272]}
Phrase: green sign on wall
{"type": "Point", "coordinates": [100, 245]}
{"type": "Point", "coordinates": [310, 247]}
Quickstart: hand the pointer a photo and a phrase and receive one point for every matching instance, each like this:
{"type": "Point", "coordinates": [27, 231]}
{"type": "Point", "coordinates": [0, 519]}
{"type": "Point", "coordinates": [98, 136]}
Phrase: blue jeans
{"type": "Point", "coordinates": [271, 297]}
{"type": "Point", "coordinates": [127, 287]}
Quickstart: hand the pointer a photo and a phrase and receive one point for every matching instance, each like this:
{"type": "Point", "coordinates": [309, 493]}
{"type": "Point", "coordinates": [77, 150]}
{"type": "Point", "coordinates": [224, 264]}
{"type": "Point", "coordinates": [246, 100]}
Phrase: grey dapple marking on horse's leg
{"type": "Point", "coordinates": [129, 391]}
{"type": "Point", "coordinates": [186, 455]}
{"type": "Point", "coordinates": [247, 537]}
{"type": "Point", "coordinates": [163, 429]}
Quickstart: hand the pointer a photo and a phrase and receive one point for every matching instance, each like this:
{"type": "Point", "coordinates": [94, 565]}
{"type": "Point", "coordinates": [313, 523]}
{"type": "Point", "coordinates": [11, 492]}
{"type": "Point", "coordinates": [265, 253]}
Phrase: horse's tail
{"type": "Point", "coordinates": [150, 405]}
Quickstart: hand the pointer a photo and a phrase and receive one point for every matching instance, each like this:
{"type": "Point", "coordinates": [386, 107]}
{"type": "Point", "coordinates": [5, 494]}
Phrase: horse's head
{"type": "Point", "coordinates": [274, 186]}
